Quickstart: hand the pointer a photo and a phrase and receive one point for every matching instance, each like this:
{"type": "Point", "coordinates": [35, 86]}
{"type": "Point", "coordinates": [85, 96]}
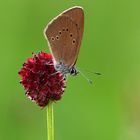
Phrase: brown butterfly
{"type": "Point", "coordinates": [64, 34]}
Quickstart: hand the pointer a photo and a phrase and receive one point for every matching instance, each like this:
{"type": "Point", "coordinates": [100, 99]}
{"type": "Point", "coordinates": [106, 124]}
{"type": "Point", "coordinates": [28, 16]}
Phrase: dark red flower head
{"type": "Point", "coordinates": [40, 79]}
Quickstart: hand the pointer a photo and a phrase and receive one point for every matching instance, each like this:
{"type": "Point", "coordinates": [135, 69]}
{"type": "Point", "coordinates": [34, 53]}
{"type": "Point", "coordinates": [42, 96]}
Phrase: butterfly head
{"type": "Point", "coordinates": [61, 67]}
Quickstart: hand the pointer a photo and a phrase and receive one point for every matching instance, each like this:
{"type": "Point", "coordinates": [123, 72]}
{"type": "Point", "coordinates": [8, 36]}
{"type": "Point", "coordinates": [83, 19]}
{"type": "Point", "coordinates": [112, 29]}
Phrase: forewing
{"type": "Point", "coordinates": [62, 35]}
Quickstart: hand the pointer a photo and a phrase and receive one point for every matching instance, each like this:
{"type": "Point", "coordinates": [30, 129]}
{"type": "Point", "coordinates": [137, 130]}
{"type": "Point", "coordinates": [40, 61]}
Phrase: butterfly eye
{"type": "Point", "coordinates": [67, 29]}
{"type": "Point", "coordinates": [63, 29]}
{"type": "Point", "coordinates": [73, 41]}
{"type": "Point", "coordinates": [57, 37]}
{"type": "Point", "coordinates": [52, 38]}
{"type": "Point", "coordinates": [71, 35]}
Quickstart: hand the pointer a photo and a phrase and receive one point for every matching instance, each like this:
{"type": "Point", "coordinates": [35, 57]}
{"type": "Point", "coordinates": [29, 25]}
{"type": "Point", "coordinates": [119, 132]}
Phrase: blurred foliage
{"type": "Point", "coordinates": [107, 110]}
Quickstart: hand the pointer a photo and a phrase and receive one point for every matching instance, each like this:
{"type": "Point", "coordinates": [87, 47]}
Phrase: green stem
{"type": "Point", "coordinates": [50, 121]}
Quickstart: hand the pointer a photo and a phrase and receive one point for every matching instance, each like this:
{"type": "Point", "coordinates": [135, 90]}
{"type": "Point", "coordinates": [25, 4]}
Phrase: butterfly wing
{"type": "Point", "coordinates": [64, 34]}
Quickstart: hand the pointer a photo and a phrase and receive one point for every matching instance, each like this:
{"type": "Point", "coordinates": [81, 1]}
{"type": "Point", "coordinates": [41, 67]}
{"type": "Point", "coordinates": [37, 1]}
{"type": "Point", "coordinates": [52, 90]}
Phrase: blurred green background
{"type": "Point", "coordinates": [107, 110]}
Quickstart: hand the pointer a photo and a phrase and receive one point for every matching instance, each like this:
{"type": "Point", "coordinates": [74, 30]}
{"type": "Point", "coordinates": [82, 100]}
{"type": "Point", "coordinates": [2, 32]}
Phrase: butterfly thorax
{"type": "Point", "coordinates": [61, 67]}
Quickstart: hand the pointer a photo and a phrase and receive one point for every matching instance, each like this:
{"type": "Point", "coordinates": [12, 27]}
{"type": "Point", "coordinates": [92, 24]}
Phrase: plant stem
{"type": "Point", "coordinates": [50, 121]}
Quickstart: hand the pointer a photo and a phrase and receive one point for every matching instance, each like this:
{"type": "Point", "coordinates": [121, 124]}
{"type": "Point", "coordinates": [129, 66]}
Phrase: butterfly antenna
{"type": "Point", "coordinates": [97, 73]}
{"type": "Point", "coordinates": [91, 72]}
{"type": "Point", "coordinates": [89, 80]}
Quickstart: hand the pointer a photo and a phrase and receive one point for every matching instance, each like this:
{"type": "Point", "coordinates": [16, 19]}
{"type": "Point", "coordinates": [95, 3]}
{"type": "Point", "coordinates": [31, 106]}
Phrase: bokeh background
{"type": "Point", "coordinates": [107, 110]}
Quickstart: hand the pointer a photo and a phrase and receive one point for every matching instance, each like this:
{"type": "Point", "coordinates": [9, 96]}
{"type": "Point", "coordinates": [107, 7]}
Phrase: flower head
{"type": "Point", "coordinates": [40, 79]}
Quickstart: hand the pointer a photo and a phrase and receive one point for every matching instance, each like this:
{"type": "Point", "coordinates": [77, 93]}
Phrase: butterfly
{"type": "Point", "coordinates": [64, 35]}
